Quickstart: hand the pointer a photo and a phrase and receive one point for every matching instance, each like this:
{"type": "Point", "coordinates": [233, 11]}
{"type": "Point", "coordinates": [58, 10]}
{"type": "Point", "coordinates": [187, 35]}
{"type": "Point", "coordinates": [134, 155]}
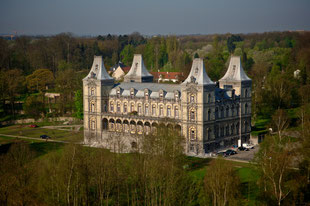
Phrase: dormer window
{"type": "Point", "coordinates": [196, 71]}
{"type": "Point", "coordinates": [146, 94]}
{"type": "Point", "coordinates": [132, 93]}
{"type": "Point", "coordinates": [93, 75]}
{"type": "Point", "coordinates": [96, 67]}
{"type": "Point", "coordinates": [176, 96]}
{"type": "Point", "coordinates": [161, 94]}
{"type": "Point", "coordinates": [118, 92]}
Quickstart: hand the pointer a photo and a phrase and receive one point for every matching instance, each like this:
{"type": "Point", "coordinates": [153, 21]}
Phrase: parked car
{"type": "Point", "coordinates": [243, 149]}
{"type": "Point", "coordinates": [33, 125]}
{"type": "Point", "coordinates": [230, 152]}
{"type": "Point", "coordinates": [45, 137]}
{"type": "Point", "coordinates": [249, 146]}
{"type": "Point", "coordinates": [222, 154]}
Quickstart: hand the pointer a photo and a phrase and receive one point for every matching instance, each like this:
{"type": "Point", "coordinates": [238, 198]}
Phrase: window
{"type": "Point", "coordinates": [169, 111]}
{"type": "Point", "coordinates": [222, 112]}
{"type": "Point", "coordinates": [176, 96]}
{"type": "Point", "coordinates": [216, 113]}
{"type": "Point", "coordinates": [118, 107]}
{"type": "Point", "coordinates": [125, 108]}
{"type": "Point", "coordinates": [227, 130]}
{"type": "Point", "coordinates": [246, 108]}
{"type": "Point", "coordinates": [232, 129]}
{"type": "Point", "coordinates": [161, 110]}
{"type": "Point", "coordinates": [92, 107]}
{"type": "Point", "coordinates": [93, 125]}
{"type": "Point", "coordinates": [146, 94]}
{"type": "Point", "coordinates": [132, 93]}
{"type": "Point", "coordinates": [192, 115]}
{"type": "Point", "coordinates": [246, 93]}
{"type": "Point", "coordinates": [209, 134]}
{"type": "Point", "coordinates": [146, 109]}
{"type": "Point", "coordinates": [227, 111]}
{"type": "Point", "coordinates": [237, 128]}
{"type": "Point", "coordinates": [209, 98]}
{"type": "Point", "coordinates": [139, 109]}
{"type": "Point", "coordinates": [111, 107]}
{"type": "Point", "coordinates": [176, 112]}
{"type": "Point", "coordinates": [132, 107]}
{"type": "Point", "coordinates": [92, 91]}
{"type": "Point", "coordinates": [192, 98]}
{"type": "Point", "coordinates": [161, 95]}
{"type": "Point", "coordinates": [232, 110]}
{"type": "Point", "coordinates": [154, 110]}
{"type": "Point", "coordinates": [192, 134]}
{"type": "Point", "coordinates": [209, 115]}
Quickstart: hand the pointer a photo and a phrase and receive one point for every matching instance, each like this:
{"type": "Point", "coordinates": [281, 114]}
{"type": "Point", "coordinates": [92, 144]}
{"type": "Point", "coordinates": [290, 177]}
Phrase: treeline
{"type": "Point", "coordinates": [155, 174]}
{"type": "Point", "coordinates": [270, 59]}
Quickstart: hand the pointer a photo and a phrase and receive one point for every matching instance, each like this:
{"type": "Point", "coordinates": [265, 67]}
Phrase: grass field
{"type": "Point", "coordinates": [55, 134]}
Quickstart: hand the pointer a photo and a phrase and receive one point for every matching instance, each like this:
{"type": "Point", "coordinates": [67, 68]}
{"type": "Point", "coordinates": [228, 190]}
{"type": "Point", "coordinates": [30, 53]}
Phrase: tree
{"type": "Point", "coordinates": [221, 183]}
{"type": "Point", "coordinates": [230, 42]}
{"type": "Point", "coordinates": [127, 54]}
{"type": "Point", "coordinates": [39, 80]}
{"type": "Point", "coordinates": [273, 161]}
{"type": "Point", "coordinates": [196, 55]}
{"type": "Point", "coordinates": [78, 102]}
{"type": "Point", "coordinates": [34, 107]}
{"type": "Point", "coordinates": [280, 121]}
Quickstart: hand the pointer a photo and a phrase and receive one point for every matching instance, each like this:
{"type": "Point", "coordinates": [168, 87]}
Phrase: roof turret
{"type": "Point", "coordinates": [235, 71]}
{"type": "Point", "coordinates": [198, 74]}
{"type": "Point", "coordinates": [138, 71]}
{"type": "Point", "coordinates": [98, 71]}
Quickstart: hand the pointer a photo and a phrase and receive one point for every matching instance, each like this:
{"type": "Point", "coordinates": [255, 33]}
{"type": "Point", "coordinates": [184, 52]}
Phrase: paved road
{"type": "Point", "coordinates": [245, 155]}
{"type": "Point", "coordinates": [32, 138]}
{"type": "Point", "coordinates": [64, 127]}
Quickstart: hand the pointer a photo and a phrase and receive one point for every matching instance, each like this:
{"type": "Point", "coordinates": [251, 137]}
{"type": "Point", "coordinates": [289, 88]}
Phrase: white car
{"type": "Point", "coordinates": [248, 146]}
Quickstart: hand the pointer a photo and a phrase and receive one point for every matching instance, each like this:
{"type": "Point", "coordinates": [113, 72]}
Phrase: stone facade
{"type": "Point", "coordinates": [206, 114]}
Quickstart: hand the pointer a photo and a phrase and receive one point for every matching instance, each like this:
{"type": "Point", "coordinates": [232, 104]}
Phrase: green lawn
{"type": "Point", "coordinates": [24, 130]}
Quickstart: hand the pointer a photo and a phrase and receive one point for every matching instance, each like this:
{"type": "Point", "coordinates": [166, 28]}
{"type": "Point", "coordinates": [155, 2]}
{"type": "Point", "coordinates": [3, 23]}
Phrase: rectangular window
{"type": "Point", "coordinates": [118, 107]}
{"type": "Point", "coordinates": [146, 109]}
{"type": "Point", "coordinates": [140, 109]}
{"type": "Point", "coordinates": [161, 111]}
{"type": "Point", "coordinates": [132, 108]}
{"type": "Point", "coordinates": [192, 116]}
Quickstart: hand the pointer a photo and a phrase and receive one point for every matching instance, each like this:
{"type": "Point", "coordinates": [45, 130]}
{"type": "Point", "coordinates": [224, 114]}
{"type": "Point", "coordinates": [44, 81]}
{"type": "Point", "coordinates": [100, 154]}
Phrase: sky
{"type": "Point", "coordinates": [152, 17]}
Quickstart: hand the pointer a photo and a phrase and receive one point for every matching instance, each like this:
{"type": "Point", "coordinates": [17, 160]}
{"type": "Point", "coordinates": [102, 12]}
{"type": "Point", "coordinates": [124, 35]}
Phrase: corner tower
{"type": "Point", "coordinates": [197, 99]}
{"type": "Point", "coordinates": [138, 71]}
{"type": "Point", "coordinates": [237, 80]}
{"type": "Point", "coordinates": [96, 87]}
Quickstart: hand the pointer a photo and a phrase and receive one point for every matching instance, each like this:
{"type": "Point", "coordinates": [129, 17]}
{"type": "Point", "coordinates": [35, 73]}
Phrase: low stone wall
{"type": "Point", "coordinates": [31, 120]}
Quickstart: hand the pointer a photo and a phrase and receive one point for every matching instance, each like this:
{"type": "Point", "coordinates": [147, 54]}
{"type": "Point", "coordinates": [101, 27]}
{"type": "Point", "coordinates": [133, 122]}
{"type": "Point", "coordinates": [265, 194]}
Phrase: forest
{"type": "Point", "coordinates": [47, 173]}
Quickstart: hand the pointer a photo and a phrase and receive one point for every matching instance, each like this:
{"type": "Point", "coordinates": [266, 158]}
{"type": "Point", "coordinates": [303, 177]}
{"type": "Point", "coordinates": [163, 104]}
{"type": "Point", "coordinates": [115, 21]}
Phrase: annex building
{"type": "Point", "coordinates": [209, 115]}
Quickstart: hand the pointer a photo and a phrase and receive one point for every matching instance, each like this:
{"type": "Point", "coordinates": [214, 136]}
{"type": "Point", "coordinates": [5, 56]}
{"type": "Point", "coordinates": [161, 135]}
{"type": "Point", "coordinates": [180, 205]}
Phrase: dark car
{"type": "Point", "coordinates": [45, 137]}
{"type": "Point", "coordinates": [222, 154]}
{"type": "Point", "coordinates": [33, 125]}
{"type": "Point", "coordinates": [230, 152]}
{"type": "Point", "coordinates": [243, 149]}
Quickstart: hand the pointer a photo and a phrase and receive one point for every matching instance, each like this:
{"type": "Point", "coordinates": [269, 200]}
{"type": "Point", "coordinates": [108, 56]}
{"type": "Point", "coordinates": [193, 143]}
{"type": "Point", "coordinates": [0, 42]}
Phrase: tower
{"type": "Point", "coordinates": [237, 80]}
{"type": "Point", "coordinates": [197, 99]}
{"type": "Point", "coordinates": [138, 71]}
{"type": "Point", "coordinates": [96, 87]}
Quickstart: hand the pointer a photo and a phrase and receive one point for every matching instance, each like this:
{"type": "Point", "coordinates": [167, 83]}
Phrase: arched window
{"type": "Point", "coordinates": [216, 113]}
{"type": "Point", "coordinates": [232, 110]}
{"type": "Point", "coordinates": [92, 106]}
{"type": "Point", "coordinates": [111, 107]}
{"type": "Point", "coordinates": [232, 129]}
{"type": "Point", "coordinates": [132, 107]}
{"type": "Point", "coordinates": [146, 109]}
{"type": "Point", "coordinates": [209, 98]}
{"type": "Point", "coordinates": [222, 112]}
{"type": "Point", "coordinates": [246, 93]}
{"type": "Point", "coordinates": [176, 112]}
{"type": "Point", "coordinates": [246, 108]}
{"type": "Point", "coordinates": [227, 111]}
{"type": "Point", "coordinates": [168, 111]}
{"type": "Point", "coordinates": [92, 91]}
{"type": "Point", "coordinates": [154, 110]}
{"type": "Point", "coordinates": [209, 115]}
{"type": "Point", "coordinates": [192, 115]}
{"type": "Point", "coordinates": [118, 107]}
{"type": "Point", "coordinates": [192, 98]}
{"type": "Point", "coordinates": [139, 109]}
{"type": "Point", "coordinates": [161, 110]}
{"type": "Point", "coordinates": [92, 124]}
{"type": "Point", "coordinates": [125, 108]}
{"type": "Point", "coordinates": [192, 134]}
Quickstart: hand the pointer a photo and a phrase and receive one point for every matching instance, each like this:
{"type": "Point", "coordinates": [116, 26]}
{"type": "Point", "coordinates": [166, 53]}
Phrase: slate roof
{"type": "Point", "coordinates": [138, 71]}
{"type": "Point", "coordinates": [235, 71]}
{"type": "Point", "coordinates": [198, 74]}
{"type": "Point", "coordinates": [98, 71]}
